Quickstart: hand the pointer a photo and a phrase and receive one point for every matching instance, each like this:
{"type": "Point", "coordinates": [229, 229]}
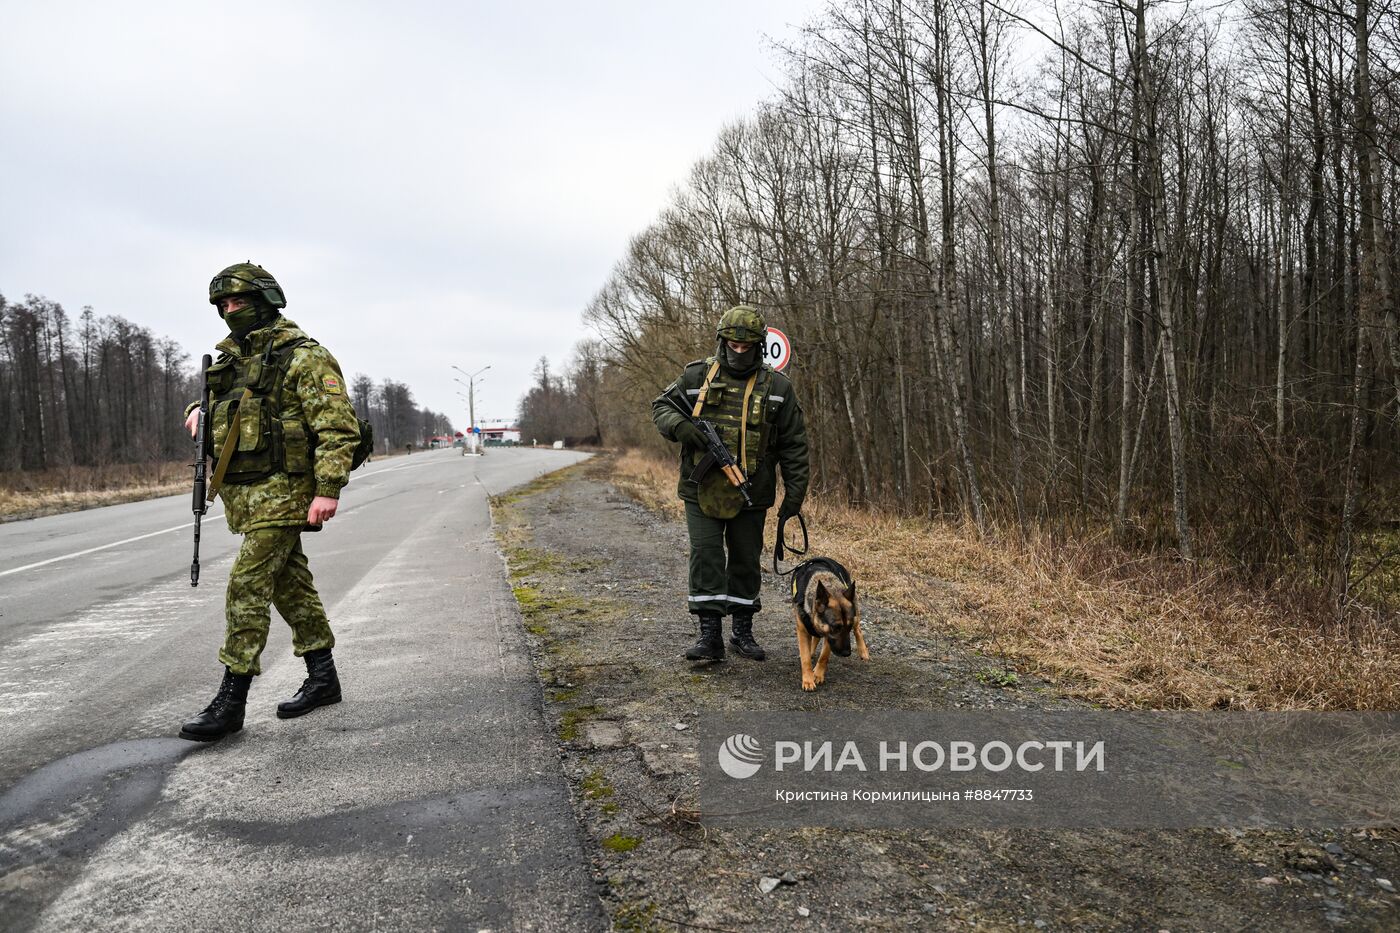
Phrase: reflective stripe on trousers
{"type": "Point", "coordinates": [724, 561]}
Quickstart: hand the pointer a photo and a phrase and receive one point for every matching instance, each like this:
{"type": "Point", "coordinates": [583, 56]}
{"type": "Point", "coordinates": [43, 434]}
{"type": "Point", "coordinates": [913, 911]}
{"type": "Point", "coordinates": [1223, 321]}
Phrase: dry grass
{"type": "Point", "coordinates": [1123, 630]}
{"type": "Point", "coordinates": [649, 480]}
{"type": "Point", "coordinates": [68, 489]}
{"type": "Point", "coordinates": [33, 493]}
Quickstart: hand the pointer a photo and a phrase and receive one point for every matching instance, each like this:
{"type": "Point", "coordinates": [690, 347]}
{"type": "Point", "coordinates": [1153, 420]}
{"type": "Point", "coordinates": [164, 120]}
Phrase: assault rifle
{"type": "Point", "coordinates": [716, 454]}
{"type": "Point", "coordinates": [200, 461]}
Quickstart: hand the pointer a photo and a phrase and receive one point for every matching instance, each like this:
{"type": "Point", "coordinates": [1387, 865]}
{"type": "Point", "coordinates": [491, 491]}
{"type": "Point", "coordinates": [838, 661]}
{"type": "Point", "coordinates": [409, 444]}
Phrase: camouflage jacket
{"type": "Point", "coordinates": [314, 394]}
{"type": "Point", "coordinates": [784, 445]}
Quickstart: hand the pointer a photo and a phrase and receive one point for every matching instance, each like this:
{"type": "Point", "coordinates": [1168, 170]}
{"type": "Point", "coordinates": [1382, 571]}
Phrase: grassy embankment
{"type": "Point", "coordinates": [1113, 627]}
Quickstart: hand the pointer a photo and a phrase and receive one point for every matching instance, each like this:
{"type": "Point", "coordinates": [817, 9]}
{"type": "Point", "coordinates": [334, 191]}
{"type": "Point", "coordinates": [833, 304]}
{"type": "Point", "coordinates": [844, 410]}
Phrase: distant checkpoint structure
{"type": "Point", "coordinates": [498, 432]}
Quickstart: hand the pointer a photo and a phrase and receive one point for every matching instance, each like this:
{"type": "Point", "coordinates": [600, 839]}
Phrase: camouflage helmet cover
{"type": "Point", "coordinates": [249, 280]}
{"type": "Point", "coordinates": [742, 323]}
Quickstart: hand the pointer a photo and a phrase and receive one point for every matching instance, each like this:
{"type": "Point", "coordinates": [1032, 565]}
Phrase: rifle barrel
{"type": "Point", "coordinates": [199, 505]}
{"type": "Point", "coordinates": [194, 565]}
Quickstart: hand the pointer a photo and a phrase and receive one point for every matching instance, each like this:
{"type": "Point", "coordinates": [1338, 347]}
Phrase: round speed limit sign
{"type": "Point", "coordinates": [778, 350]}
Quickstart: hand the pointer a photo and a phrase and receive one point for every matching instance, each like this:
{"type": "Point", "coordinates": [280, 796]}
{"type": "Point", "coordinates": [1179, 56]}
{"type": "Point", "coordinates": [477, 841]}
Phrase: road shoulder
{"type": "Point", "coordinates": [600, 583]}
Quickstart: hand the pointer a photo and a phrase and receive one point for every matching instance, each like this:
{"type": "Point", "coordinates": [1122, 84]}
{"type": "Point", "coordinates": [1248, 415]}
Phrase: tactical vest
{"type": "Point", "coordinates": [723, 406]}
{"type": "Point", "coordinates": [729, 403]}
{"type": "Point", "coordinates": [266, 443]}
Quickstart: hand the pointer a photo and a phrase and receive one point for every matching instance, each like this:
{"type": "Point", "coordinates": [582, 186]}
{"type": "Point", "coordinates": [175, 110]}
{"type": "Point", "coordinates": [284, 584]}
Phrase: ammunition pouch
{"type": "Point", "coordinates": [266, 443]}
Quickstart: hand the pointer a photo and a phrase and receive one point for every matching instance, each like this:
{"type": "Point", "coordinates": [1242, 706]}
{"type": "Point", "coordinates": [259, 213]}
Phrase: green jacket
{"type": "Point", "coordinates": [784, 445]}
{"type": "Point", "coordinates": [314, 395]}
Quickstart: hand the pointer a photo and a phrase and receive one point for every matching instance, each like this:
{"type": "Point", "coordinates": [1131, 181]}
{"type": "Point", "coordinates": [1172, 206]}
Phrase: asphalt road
{"type": "Point", "coordinates": [432, 798]}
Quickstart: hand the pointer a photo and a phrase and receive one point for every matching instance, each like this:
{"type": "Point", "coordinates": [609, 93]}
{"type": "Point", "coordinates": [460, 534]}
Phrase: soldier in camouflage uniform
{"type": "Point", "coordinates": [756, 414]}
{"type": "Point", "coordinates": [283, 435]}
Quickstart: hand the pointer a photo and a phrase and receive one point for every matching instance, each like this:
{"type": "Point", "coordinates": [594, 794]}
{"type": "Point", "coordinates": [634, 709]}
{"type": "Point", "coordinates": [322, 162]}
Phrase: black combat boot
{"type": "Point", "coordinates": [710, 646]}
{"type": "Point", "coordinates": [224, 715]}
{"type": "Point", "coordinates": [741, 639]}
{"type": "Point", "coordinates": [320, 688]}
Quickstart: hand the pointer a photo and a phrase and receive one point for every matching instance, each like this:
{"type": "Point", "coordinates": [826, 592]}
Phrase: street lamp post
{"type": "Point", "coordinates": [467, 441]}
{"type": "Point", "coordinates": [471, 400]}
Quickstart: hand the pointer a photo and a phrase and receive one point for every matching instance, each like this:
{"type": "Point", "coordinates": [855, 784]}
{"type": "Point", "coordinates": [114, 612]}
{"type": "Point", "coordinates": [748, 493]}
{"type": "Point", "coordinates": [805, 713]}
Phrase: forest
{"type": "Point", "coordinates": [103, 391]}
{"type": "Point", "coordinates": [1121, 268]}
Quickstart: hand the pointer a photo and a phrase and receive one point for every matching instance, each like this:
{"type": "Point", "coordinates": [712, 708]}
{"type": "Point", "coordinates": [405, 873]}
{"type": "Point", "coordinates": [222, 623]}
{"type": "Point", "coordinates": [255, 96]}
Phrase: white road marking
{"type": "Point", "coordinates": [103, 547]}
{"type": "Point", "coordinates": [152, 534]}
{"type": "Point", "coordinates": [208, 518]}
{"type": "Point", "coordinates": [411, 466]}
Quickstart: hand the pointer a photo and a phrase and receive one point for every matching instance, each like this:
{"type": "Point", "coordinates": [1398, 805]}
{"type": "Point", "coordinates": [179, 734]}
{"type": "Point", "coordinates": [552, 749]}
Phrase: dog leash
{"type": "Point", "coordinates": [779, 547]}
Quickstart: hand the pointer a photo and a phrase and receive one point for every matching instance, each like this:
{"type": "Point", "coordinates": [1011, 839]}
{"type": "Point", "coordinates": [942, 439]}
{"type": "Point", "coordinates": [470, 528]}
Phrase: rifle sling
{"type": "Point", "coordinates": [230, 442]}
{"type": "Point", "coordinates": [744, 424]}
{"type": "Point", "coordinates": [704, 389]}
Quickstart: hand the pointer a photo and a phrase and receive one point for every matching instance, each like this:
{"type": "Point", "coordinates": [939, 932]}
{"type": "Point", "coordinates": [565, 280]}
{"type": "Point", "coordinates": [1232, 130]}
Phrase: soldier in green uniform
{"type": "Point", "coordinates": [756, 414]}
{"type": "Point", "coordinates": [283, 437]}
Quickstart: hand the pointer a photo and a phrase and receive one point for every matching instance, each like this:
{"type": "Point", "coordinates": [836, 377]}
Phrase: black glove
{"type": "Point", "coordinates": [688, 433]}
{"type": "Point", "coordinates": [789, 508]}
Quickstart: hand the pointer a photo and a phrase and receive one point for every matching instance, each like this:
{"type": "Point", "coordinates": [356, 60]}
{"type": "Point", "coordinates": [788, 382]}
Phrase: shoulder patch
{"type": "Point", "coordinates": [331, 384]}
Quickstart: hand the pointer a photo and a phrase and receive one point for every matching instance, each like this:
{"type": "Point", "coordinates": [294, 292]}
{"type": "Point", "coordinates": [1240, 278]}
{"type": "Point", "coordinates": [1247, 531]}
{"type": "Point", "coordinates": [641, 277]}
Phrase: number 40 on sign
{"type": "Point", "coordinates": [778, 349]}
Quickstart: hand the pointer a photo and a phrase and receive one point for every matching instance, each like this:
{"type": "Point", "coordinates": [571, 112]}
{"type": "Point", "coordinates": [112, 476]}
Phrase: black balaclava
{"type": "Point", "coordinates": [740, 364]}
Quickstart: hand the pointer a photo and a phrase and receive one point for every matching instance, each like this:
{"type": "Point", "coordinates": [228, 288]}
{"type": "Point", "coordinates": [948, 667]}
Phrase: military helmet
{"type": "Point", "coordinates": [249, 281]}
{"type": "Point", "coordinates": [742, 323]}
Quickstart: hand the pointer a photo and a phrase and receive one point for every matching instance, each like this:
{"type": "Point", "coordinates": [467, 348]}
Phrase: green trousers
{"type": "Point", "coordinates": [721, 586]}
{"type": "Point", "coordinates": [271, 569]}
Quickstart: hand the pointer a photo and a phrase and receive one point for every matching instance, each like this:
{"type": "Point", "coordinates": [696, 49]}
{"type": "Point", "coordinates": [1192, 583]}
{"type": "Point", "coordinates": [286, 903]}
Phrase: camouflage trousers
{"type": "Point", "coordinates": [718, 584]}
{"type": "Point", "coordinates": [271, 569]}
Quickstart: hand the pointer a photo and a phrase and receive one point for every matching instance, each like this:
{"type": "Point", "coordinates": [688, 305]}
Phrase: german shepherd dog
{"type": "Point", "coordinates": [824, 605]}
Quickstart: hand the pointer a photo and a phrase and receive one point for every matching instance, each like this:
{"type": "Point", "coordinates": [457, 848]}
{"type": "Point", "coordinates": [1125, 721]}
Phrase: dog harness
{"type": "Point", "coordinates": [802, 575]}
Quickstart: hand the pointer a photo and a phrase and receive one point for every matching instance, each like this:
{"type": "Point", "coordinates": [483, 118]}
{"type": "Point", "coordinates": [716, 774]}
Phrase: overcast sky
{"type": "Point", "coordinates": [433, 184]}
